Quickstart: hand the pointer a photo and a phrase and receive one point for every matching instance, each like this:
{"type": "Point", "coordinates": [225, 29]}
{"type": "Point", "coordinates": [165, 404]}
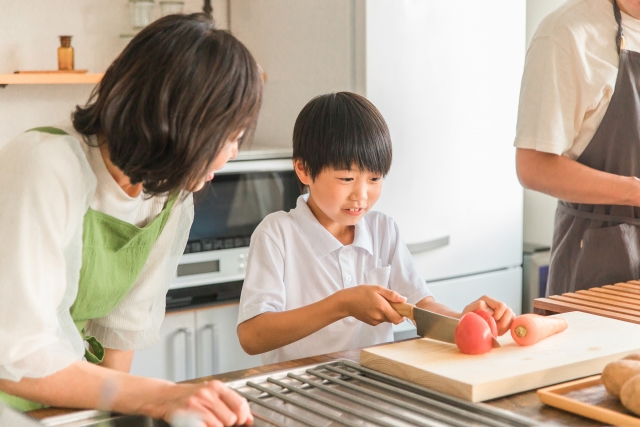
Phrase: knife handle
{"type": "Point", "coordinates": [403, 309]}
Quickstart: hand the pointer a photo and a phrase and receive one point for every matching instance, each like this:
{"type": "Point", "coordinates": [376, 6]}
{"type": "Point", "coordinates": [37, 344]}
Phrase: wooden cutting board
{"type": "Point", "coordinates": [583, 349]}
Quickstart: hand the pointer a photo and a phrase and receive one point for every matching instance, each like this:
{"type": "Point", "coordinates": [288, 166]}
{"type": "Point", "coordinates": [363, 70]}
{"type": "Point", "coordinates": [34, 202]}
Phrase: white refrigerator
{"type": "Point", "coordinates": [446, 77]}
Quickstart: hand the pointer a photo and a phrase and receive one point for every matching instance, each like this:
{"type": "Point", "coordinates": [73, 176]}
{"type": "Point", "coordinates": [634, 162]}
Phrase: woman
{"type": "Point", "coordinates": [578, 139]}
{"type": "Point", "coordinates": [96, 214]}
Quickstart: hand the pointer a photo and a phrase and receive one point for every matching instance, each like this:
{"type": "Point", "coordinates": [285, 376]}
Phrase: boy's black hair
{"type": "Point", "coordinates": [168, 103]}
{"type": "Point", "coordinates": [342, 130]}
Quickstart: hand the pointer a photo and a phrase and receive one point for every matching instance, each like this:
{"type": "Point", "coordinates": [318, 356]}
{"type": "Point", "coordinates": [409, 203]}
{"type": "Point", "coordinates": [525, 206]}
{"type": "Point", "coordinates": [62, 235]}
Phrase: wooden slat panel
{"type": "Point", "coordinates": [611, 296]}
{"type": "Point", "coordinates": [627, 286]}
{"type": "Point", "coordinates": [620, 302]}
{"type": "Point", "coordinates": [606, 307]}
{"type": "Point", "coordinates": [622, 289]}
{"type": "Point", "coordinates": [612, 292]}
{"type": "Point", "coordinates": [546, 304]}
{"type": "Point", "coordinates": [564, 307]}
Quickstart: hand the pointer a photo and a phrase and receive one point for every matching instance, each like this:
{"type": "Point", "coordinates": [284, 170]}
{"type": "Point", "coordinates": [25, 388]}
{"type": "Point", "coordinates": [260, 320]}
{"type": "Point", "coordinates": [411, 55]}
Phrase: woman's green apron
{"type": "Point", "coordinates": [113, 255]}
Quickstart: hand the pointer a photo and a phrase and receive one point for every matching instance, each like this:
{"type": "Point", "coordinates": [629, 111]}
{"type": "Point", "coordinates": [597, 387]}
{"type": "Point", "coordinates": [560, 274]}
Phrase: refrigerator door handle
{"type": "Point", "coordinates": [428, 245]}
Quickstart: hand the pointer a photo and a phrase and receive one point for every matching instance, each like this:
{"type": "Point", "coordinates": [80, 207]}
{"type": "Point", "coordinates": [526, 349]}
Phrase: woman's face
{"type": "Point", "coordinates": [229, 151]}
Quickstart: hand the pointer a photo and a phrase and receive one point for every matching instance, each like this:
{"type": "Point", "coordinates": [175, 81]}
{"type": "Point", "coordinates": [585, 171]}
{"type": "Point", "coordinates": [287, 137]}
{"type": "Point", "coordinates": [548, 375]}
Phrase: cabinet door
{"type": "Point", "coordinates": [217, 346]}
{"type": "Point", "coordinates": [173, 357]}
{"type": "Point", "coordinates": [504, 285]}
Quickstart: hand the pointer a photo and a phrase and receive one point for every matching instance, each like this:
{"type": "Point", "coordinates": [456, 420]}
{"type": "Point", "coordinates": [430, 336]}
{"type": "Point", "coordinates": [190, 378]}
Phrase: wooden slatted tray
{"type": "Point", "coordinates": [588, 397]}
{"type": "Point", "coordinates": [620, 301]}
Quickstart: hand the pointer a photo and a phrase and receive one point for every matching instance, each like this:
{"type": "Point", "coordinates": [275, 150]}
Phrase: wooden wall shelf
{"type": "Point", "coordinates": [49, 78]}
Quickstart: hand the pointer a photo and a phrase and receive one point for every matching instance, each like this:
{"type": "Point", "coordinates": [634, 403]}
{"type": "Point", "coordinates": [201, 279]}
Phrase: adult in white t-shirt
{"type": "Point", "coordinates": [95, 215]}
{"type": "Point", "coordinates": [578, 139]}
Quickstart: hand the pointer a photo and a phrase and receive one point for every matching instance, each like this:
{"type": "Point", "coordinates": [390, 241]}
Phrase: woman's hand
{"type": "Point", "coordinates": [213, 403]}
{"type": "Point", "coordinates": [370, 304]}
{"type": "Point", "coordinates": [502, 314]}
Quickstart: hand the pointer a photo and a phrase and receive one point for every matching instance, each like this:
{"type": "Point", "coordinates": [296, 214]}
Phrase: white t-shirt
{"type": "Point", "coordinates": [569, 76]}
{"type": "Point", "coordinates": [47, 183]}
{"type": "Point", "coordinates": [294, 261]}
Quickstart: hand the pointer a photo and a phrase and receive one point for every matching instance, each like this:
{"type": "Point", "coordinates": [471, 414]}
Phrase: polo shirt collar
{"type": "Point", "coordinates": [320, 237]}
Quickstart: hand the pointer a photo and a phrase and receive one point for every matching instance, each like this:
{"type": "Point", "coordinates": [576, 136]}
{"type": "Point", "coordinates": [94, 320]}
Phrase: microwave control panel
{"type": "Point", "coordinates": [210, 267]}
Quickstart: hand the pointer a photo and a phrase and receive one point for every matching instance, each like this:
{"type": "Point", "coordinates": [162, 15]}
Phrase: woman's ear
{"type": "Point", "coordinates": [301, 171]}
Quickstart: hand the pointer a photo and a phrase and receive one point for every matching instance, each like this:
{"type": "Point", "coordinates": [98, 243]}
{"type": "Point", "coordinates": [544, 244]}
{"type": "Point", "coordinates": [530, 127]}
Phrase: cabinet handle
{"type": "Point", "coordinates": [429, 245]}
{"type": "Point", "coordinates": [188, 339]}
{"type": "Point", "coordinates": [215, 360]}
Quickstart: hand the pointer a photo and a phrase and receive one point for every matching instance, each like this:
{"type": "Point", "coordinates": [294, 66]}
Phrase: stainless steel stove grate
{"type": "Point", "coordinates": [343, 393]}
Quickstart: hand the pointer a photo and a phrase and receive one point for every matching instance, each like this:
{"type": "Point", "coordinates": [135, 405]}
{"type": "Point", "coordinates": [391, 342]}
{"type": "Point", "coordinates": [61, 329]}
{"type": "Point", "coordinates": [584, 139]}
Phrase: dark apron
{"type": "Point", "coordinates": [595, 245]}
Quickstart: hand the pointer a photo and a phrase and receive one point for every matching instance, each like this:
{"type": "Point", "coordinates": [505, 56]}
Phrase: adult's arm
{"type": "Point", "coordinates": [83, 385]}
{"type": "Point", "coordinates": [566, 179]}
{"type": "Point", "coordinates": [118, 360]}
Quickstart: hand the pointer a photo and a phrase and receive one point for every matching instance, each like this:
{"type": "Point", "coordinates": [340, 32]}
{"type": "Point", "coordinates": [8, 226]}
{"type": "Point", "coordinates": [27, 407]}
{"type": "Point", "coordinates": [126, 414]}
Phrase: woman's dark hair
{"type": "Point", "coordinates": [341, 130]}
{"type": "Point", "coordinates": [170, 101]}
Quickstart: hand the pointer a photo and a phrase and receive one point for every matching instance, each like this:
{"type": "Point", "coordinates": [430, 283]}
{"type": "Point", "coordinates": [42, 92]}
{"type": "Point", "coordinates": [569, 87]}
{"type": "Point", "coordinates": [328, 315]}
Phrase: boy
{"type": "Point", "coordinates": [320, 277]}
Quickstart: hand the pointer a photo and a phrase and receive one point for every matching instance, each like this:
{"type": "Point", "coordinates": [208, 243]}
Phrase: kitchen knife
{"type": "Point", "coordinates": [431, 325]}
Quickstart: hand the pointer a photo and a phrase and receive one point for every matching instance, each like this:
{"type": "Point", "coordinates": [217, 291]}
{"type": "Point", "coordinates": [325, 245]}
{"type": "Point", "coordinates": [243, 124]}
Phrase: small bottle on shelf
{"type": "Point", "coordinates": [65, 54]}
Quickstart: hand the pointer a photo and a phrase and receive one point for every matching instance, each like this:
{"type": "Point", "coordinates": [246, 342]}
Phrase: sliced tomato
{"type": "Point", "coordinates": [473, 335]}
{"type": "Point", "coordinates": [490, 321]}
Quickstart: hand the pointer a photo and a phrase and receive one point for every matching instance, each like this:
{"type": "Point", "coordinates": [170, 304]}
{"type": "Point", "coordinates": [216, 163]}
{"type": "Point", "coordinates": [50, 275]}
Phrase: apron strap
{"type": "Point", "coordinates": [620, 42]}
{"type": "Point", "coordinates": [597, 217]}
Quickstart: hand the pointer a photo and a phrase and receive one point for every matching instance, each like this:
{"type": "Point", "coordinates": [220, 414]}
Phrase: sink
{"type": "Point", "coordinates": [101, 419]}
{"type": "Point", "coordinates": [129, 421]}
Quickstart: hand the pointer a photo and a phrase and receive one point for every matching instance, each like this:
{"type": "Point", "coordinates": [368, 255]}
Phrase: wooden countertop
{"type": "Point", "coordinates": [525, 404]}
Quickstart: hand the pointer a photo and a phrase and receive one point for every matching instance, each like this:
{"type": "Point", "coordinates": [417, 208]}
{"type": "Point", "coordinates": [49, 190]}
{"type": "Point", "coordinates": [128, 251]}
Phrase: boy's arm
{"type": "Point", "coordinates": [272, 330]}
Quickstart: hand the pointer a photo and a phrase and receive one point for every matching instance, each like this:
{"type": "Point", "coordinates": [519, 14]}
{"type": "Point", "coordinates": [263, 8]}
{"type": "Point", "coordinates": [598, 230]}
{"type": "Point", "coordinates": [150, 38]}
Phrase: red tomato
{"type": "Point", "coordinates": [473, 335]}
{"type": "Point", "coordinates": [490, 321]}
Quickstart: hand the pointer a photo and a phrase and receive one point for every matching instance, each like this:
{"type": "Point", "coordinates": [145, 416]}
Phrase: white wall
{"type": "Point", "coordinates": [29, 41]}
{"type": "Point", "coordinates": [539, 209]}
{"type": "Point", "coordinates": [305, 48]}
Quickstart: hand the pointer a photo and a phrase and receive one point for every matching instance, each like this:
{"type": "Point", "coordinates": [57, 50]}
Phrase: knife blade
{"type": "Point", "coordinates": [432, 325]}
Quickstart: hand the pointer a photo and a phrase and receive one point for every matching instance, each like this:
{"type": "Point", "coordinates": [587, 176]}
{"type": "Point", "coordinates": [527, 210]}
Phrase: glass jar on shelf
{"type": "Point", "coordinates": [171, 7]}
{"type": "Point", "coordinates": [141, 13]}
{"type": "Point", "coordinates": [65, 54]}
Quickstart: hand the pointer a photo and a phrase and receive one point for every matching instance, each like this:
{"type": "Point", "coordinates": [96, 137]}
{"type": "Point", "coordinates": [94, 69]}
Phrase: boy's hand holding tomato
{"type": "Point", "coordinates": [500, 312]}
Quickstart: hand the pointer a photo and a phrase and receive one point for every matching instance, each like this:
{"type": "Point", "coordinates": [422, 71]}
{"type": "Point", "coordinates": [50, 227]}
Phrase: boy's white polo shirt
{"type": "Point", "coordinates": [294, 261]}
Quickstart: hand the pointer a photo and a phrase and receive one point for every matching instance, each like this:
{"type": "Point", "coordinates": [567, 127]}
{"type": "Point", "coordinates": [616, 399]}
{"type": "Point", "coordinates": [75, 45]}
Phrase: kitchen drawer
{"type": "Point", "coordinates": [504, 285]}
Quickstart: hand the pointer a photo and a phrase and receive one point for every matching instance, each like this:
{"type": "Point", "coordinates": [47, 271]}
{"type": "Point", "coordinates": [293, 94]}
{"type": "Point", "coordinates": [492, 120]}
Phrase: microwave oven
{"type": "Point", "coordinates": [226, 212]}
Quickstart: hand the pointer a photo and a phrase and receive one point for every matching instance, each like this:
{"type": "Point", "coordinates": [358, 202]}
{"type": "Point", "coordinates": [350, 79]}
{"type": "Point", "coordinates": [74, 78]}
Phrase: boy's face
{"type": "Point", "coordinates": [340, 197]}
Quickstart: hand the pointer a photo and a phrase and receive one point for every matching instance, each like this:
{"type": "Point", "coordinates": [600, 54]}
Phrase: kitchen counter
{"type": "Point", "coordinates": [525, 404]}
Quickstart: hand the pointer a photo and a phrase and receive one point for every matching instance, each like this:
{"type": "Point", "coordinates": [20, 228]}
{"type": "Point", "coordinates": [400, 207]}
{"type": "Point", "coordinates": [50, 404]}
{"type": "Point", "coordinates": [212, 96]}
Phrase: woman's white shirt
{"type": "Point", "coordinates": [47, 183]}
{"type": "Point", "coordinates": [569, 76]}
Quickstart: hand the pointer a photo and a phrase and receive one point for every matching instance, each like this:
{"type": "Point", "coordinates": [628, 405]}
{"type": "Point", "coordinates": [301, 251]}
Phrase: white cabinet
{"type": "Point", "coordinates": [194, 344]}
{"type": "Point", "coordinates": [217, 345]}
{"type": "Point", "coordinates": [173, 356]}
